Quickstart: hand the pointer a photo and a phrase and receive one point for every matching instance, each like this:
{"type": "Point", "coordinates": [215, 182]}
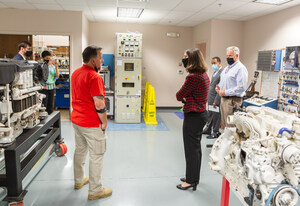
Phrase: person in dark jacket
{"type": "Point", "coordinates": [25, 50]}
{"type": "Point", "coordinates": [193, 94]}
{"type": "Point", "coordinates": [214, 114]}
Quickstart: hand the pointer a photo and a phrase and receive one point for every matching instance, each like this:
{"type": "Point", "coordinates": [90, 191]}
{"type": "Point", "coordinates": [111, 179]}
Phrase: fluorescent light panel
{"type": "Point", "coordinates": [129, 12]}
{"type": "Point", "coordinates": [274, 2]}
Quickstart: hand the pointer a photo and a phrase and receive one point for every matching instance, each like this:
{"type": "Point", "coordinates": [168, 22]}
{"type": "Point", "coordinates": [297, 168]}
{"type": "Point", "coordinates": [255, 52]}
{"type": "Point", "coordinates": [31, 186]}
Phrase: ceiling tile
{"type": "Point", "coordinates": [202, 16]}
{"type": "Point", "coordinates": [2, 5]}
{"type": "Point", "coordinates": [42, 1]}
{"type": "Point", "coordinates": [179, 15]}
{"type": "Point", "coordinates": [101, 2]}
{"type": "Point", "coordinates": [249, 8]}
{"type": "Point", "coordinates": [189, 23]}
{"type": "Point", "coordinates": [169, 21]}
{"type": "Point", "coordinates": [162, 4]}
{"type": "Point", "coordinates": [127, 4]}
{"type": "Point", "coordinates": [193, 5]}
{"type": "Point", "coordinates": [228, 17]}
{"type": "Point", "coordinates": [72, 2]}
{"type": "Point", "coordinates": [19, 5]}
{"type": "Point", "coordinates": [127, 20]}
{"type": "Point", "coordinates": [104, 11]}
{"type": "Point", "coordinates": [105, 19]}
{"type": "Point", "coordinates": [48, 6]}
{"type": "Point", "coordinates": [148, 21]}
{"type": "Point", "coordinates": [14, 1]}
{"type": "Point", "coordinates": [83, 8]}
{"type": "Point", "coordinates": [222, 6]}
{"type": "Point", "coordinates": [153, 14]}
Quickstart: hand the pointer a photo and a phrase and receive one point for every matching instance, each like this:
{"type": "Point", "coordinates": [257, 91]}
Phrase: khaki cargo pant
{"type": "Point", "coordinates": [90, 139]}
{"type": "Point", "coordinates": [227, 105]}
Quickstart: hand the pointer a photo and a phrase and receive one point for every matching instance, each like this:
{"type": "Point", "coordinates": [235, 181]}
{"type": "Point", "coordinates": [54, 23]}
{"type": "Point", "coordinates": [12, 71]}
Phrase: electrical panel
{"type": "Point", "coordinates": [105, 74]}
{"type": "Point", "coordinates": [128, 77]}
{"type": "Point", "coordinates": [269, 60]}
{"type": "Point", "coordinates": [289, 94]}
{"type": "Point", "coordinates": [129, 45]}
{"type": "Point", "coordinates": [129, 109]}
{"type": "Point", "coordinates": [109, 104]}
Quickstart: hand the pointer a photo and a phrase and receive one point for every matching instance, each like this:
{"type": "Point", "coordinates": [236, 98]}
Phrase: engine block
{"type": "Point", "coordinates": [20, 102]}
{"type": "Point", "coordinates": [260, 156]}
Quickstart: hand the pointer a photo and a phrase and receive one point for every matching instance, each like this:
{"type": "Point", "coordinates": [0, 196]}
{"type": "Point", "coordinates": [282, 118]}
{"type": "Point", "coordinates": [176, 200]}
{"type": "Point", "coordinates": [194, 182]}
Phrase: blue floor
{"type": "Point", "coordinates": [161, 126]}
{"type": "Point", "coordinates": [142, 167]}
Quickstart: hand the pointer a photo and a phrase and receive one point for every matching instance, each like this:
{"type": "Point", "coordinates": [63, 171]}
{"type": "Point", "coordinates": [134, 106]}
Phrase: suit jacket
{"type": "Point", "coordinates": [213, 96]}
{"type": "Point", "coordinates": [18, 57]}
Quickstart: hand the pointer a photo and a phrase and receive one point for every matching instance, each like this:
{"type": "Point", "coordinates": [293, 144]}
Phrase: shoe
{"type": "Point", "coordinates": [80, 185]}
{"type": "Point", "coordinates": [183, 179]}
{"type": "Point", "coordinates": [105, 192]}
{"type": "Point", "coordinates": [206, 132]}
{"type": "Point", "coordinates": [193, 185]}
{"type": "Point", "coordinates": [212, 136]}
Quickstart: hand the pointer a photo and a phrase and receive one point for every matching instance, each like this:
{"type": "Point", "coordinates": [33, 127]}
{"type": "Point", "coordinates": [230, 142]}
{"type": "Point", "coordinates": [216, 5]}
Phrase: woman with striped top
{"type": "Point", "coordinates": [193, 94]}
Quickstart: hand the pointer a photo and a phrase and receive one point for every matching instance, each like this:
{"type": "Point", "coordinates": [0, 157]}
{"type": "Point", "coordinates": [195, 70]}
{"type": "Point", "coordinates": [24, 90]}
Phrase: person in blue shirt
{"type": "Point", "coordinates": [25, 50]}
{"type": "Point", "coordinates": [233, 84]}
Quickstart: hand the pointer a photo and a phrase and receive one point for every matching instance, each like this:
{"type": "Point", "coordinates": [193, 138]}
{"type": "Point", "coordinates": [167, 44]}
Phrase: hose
{"type": "Point", "coordinates": [284, 129]}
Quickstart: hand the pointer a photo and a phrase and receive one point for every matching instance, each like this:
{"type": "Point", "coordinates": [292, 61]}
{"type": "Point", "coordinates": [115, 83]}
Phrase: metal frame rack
{"type": "Point", "coordinates": [48, 132]}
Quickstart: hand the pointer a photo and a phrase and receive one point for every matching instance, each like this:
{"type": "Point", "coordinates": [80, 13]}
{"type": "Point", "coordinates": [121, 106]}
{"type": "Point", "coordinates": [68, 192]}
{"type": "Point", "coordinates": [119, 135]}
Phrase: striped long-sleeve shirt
{"type": "Point", "coordinates": [195, 91]}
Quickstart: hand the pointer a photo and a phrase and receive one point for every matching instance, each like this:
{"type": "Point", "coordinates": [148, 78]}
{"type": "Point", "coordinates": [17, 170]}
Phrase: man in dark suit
{"type": "Point", "coordinates": [213, 100]}
{"type": "Point", "coordinates": [25, 50]}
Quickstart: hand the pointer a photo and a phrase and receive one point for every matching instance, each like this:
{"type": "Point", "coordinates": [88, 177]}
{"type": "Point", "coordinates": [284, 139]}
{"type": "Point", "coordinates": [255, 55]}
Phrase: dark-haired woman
{"type": "Point", "coordinates": [193, 94]}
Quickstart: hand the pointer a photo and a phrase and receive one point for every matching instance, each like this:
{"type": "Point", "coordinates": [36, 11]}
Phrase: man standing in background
{"type": "Point", "coordinates": [213, 100]}
{"type": "Point", "coordinates": [25, 50]}
{"type": "Point", "coordinates": [232, 85]}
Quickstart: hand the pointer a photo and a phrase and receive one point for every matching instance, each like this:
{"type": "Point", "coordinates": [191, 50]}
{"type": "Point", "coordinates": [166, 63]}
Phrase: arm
{"type": "Point", "coordinates": [186, 89]}
{"type": "Point", "coordinates": [57, 70]}
{"type": "Point", "coordinates": [100, 104]}
{"type": "Point", "coordinates": [241, 83]}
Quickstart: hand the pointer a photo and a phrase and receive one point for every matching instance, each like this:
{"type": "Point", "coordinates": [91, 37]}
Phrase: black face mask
{"type": "Point", "coordinates": [46, 61]}
{"type": "Point", "coordinates": [230, 61]}
{"type": "Point", "coordinates": [28, 53]}
{"type": "Point", "coordinates": [185, 62]}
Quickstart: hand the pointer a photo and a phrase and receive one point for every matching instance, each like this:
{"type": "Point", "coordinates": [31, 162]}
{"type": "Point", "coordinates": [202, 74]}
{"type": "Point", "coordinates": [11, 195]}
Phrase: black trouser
{"type": "Point", "coordinates": [214, 121]}
{"type": "Point", "coordinates": [48, 100]}
{"type": "Point", "coordinates": [193, 124]}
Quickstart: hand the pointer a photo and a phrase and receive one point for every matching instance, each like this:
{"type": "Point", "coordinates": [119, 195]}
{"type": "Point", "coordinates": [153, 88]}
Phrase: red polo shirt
{"type": "Point", "coordinates": [85, 83]}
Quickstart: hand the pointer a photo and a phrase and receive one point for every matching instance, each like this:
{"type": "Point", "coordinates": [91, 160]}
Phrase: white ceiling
{"type": "Point", "coordinates": [164, 12]}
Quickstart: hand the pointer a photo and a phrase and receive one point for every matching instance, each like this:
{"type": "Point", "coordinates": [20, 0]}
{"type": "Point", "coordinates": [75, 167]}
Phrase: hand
{"type": "Point", "coordinates": [222, 93]}
{"type": "Point", "coordinates": [184, 99]}
{"type": "Point", "coordinates": [103, 126]}
{"type": "Point", "coordinates": [214, 105]}
{"type": "Point", "coordinates": [217, 89]}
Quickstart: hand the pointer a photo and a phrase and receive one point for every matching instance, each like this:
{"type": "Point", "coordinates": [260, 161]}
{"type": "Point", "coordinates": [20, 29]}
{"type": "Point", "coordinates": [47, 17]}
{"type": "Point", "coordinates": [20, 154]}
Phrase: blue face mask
{"type": "Point", "coordinates": [214, 67]}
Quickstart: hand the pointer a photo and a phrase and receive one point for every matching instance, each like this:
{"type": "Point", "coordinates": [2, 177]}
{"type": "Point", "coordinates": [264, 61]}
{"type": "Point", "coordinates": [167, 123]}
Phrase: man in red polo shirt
{"type": "Point", "coordinates": [89, 122]}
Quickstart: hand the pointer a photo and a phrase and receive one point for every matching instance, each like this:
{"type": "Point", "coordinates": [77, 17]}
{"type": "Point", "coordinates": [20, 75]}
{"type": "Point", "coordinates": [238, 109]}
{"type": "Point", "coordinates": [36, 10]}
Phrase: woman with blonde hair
{"type": "Point", "coordinates": [193, 94]}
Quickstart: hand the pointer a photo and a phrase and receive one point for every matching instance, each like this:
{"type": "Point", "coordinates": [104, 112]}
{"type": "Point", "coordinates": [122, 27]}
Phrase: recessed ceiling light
{"type": "Point", "coordinates": [274, 2]}
{"type": "Point", "coordinates": [129, 12]}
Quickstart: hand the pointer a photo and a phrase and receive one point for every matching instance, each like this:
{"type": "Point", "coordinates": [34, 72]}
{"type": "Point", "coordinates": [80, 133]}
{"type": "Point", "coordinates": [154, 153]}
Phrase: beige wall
{"type": "Point", "coordinates": [85, 32]}
{"type": "Point", "coordinates": [54, 22]}
{"type": "Point", "coordinates": [225, 33]}
{"type": "Point", "coordinates": [202, 34]}
{"type": "Point", "coordinates": [273, 31]}
{"type": "Point", "coordinates": [218, 35]}
{"type": "Point", "coordinates": [160, 54]}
